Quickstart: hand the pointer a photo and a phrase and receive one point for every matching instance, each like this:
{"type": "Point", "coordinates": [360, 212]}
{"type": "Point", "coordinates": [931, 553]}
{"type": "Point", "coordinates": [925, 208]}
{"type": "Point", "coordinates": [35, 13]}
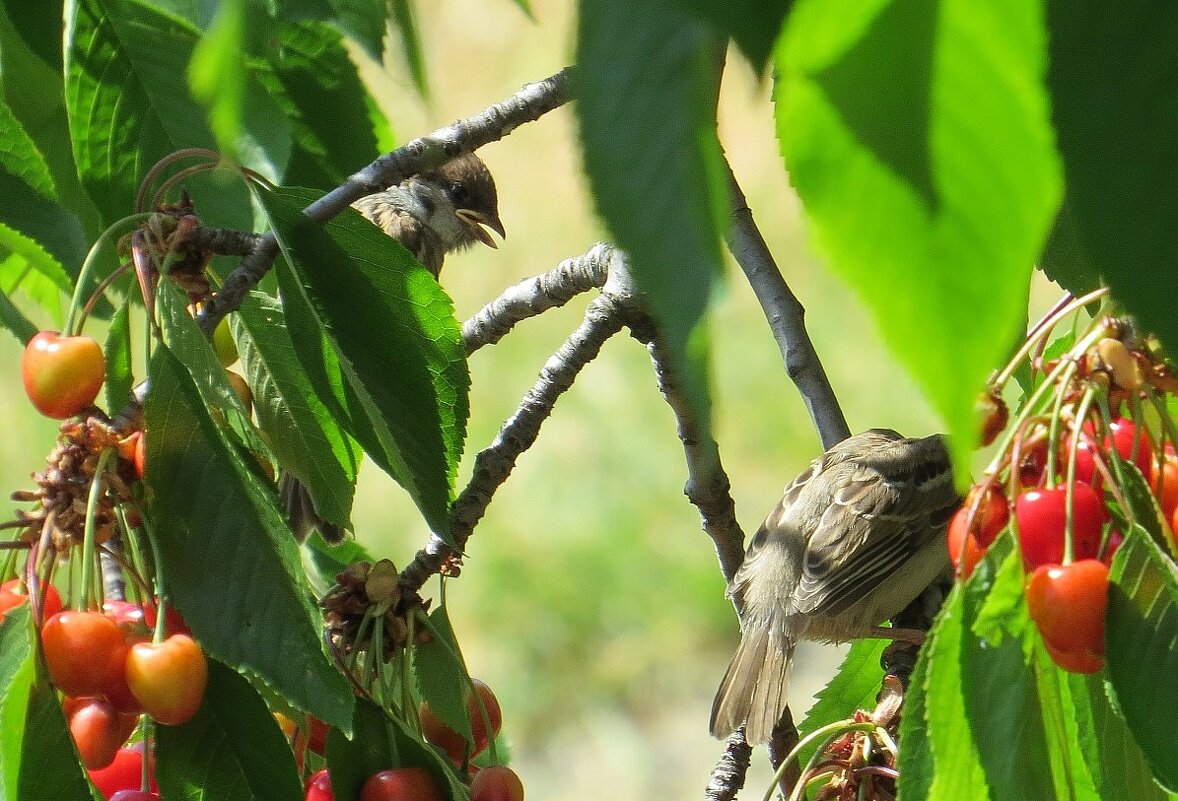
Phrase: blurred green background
{"type": "Point", "coordinates": [591, 601]}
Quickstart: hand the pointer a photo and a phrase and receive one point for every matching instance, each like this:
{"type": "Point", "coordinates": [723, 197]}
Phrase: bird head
{"type": "Point", "coordinates": [460, 202]}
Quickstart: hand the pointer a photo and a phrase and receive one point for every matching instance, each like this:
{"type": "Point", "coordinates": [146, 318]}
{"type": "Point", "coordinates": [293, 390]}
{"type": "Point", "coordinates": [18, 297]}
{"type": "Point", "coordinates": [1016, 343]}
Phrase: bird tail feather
{"type": "Point", "coordinates": [755, 689]}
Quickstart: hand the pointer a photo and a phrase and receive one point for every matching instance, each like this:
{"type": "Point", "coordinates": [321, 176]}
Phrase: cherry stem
{"type": "Point", "coordinates": [103, 285]}
{"type": "Point", "coordinates": [88, 550]}
{"type": "Point", "coordinates": [160, 585]}
{"type": "Point", "coordinates": [210, 156]}
{"type": "Point", "coordinates": [1069, 546]}
{"type": "Point", "coordinates": [76, 302]}
{"type": "Point", "coordinates": [1064, 382]}
{"type": "Point", "coordinates": [825, 734]}
{"type": "Point", "coordinates": [1043, 328]}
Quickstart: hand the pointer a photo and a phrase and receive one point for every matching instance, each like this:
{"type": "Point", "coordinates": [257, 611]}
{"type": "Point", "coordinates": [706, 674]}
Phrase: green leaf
{"type": "Point", "coordinates": [917, 135]}
{"type": "Point", "coordinates": [916, 763]}
{"type": "Point", "coordinates": [1111, 756]}
{"type": "Point", "coordinates": [381, 742]}
{"type": "Point", "coordinates": [752, 24]}
{"type": "Point", "coordinates": [646, 86]}
{"type": "Point", "coordinates": [441, 675]}
{"type": "Point", "coordinates": [230, 562]}
{"type": "Point", "coordinates": [20, 156]}
{"type": "Point", "coordinates": [1003, 613]}
{"type": "Point", "coordinates": [232, 750]}
{"type": "Point", "coordinates": [186, 340]}
{"type": "Point", "coordinates": [117, 350]}
{"type": "Point", "coordinates": [406, 20]}
{"type": "Point", "coordinates": [1002, 703]}
{"type": "Point", "coordinates": [307, 439]}
{"type": "Point", "coordinates": [958, 770]}
{"type": "Point", "coordinates": [330, 560]}
{"type": "Point", "coordinates": [1114, 89]}
{"type": "Point", "coordinates": [39, 273]}
{"type": "Point", "coordinates": [217, 72]}
{"type": "Point", "coordinates": [1065, 719]}
{"type": "Point", "coordinates": [14, 320]}
{"type": "Point", "coordinates": [49, 767]}
{"type": "Point", "coordinates": [130, 104]}
{"type": "Point", "coordinates": [1142, 502]}
{"type": "Point", "coordinates": [40, 29]}
{"type": "Point", "coordinates": [1141, 649]}
{"type": "Point", "coordinates": [17, 675]}
{"type": "Point", "coordinates": [364, 21]}
{"type": "Point", "coordinates": [308, 71]}
{"type": "Point", "coordinates": [404, 388]}
{"type": "Point", "coordinates": [855, 686]}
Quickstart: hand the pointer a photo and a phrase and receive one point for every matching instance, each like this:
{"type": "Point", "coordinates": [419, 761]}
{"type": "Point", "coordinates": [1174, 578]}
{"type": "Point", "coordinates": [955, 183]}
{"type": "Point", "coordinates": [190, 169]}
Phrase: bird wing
{"type": "Point", "coordinates": [874, 524]}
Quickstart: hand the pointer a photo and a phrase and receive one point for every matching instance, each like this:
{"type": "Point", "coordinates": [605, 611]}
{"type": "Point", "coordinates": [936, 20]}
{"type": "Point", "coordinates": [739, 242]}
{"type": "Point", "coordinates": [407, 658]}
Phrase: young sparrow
{"type": "Point", "coordinates": [431, 214]}
{"type": "Point", "coordinates": [856, 537]}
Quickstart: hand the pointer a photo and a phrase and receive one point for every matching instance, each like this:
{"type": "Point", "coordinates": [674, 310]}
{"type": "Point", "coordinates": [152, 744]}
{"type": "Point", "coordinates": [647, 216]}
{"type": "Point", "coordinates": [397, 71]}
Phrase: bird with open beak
{"type": "Point", "coordinates": [431, 214]}
{"type": "Point", "coordinates": [439, 212]}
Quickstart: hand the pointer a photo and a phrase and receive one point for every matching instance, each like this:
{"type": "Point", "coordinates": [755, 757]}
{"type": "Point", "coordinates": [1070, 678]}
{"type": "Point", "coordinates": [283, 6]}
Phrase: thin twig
{"type": "Point", "coordinates": [494, 463]}
{"type": "Point", "coordinates": [786, 318]}
{"type": "Point", "coordinates": [729, 773]}
{"type": "Point", "coordinates": [418, 155]}
{"type": "Point", "coordinates": [536, 295]}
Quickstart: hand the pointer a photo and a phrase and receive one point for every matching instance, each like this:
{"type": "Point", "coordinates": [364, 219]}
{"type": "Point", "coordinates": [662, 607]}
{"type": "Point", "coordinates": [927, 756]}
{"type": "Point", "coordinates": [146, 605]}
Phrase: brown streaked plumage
{"type": "Point", "coordinates": [856, 537]}
{"type": "Point", "coordinates": [439, 212]}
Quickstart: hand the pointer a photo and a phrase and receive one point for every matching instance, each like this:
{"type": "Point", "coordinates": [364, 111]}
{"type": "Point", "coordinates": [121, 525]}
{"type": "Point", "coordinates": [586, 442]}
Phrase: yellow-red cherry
{"type": "Point", "coordinates": [168, 679]}
{"type": "Point", "coordinates": [62, 375]}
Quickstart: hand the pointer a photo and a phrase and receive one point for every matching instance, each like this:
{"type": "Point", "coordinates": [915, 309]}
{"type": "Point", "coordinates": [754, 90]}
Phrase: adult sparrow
{"type": "Point", "coordinates": [856, 537]}
{"type": "Point", "coordinates": [431, 214]}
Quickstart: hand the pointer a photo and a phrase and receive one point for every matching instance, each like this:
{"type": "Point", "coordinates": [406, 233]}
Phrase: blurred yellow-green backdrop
{"type": "Point", "coordinates": [591, 601]}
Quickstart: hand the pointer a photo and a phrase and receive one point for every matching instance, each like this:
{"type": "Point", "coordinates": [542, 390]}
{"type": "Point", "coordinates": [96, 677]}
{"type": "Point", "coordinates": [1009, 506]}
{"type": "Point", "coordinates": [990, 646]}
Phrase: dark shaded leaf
{"type": "Point", "coordinates": [307, 439]}
{"type": "Point", "coordinates": [364, 21]}
{"type": "Point", "coordinates": [404, 383]}
{"type": "Point", "coordinates": [752, 24]}
{"type": "Point", "coordinates": [406, 20]}
{"type": "Point", "coordinates": [1113, 79]}
{"type": "Point", "coordinates": [441, 675]}
{"type": "Point", "coordinates": [646, 87]}
{"type": "Point", "coordinates": [231, 564]}
{"type": "Point", "coordinates": [1141, 641]}
{"type": "Point", "coordinates": [232, 750]}
{"type": "Point", "coordinates": [309, 70]}
{"type": "Point", "coordinates": [918, 138]}
{"type": "Point", "coordinates": [15, 321]}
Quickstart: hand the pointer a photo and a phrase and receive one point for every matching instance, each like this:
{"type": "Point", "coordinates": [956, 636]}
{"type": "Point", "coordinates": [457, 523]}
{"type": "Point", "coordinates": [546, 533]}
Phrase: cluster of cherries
{"type": "Point", "coordinates": [1057, 479]}
{"type": "Point", "coordinates": [111, 672]}
{"type": "Point", "coordinates": [490, 783]}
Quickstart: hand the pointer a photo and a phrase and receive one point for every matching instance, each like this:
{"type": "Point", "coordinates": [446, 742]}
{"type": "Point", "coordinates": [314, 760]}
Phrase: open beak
{"type": "Point", "coordinates": [475, 221]}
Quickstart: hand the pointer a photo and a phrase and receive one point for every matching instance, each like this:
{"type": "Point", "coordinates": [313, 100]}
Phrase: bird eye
{"type": "Point", "coordinates": [459, 193]}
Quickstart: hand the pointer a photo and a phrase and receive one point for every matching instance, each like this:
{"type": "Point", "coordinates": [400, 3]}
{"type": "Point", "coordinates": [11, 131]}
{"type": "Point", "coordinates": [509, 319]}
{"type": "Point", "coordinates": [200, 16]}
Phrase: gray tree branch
{"type": "Point", "coordinates": [786, 318]}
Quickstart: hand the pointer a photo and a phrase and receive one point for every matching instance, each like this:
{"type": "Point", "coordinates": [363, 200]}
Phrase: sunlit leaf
{"type": "Point", "coordinates": [917, 134]}
{"type": "Point", "coordinates": [403, 385]}
{"type": "Point", "coordinates": [646, 88]}
{"type": "Point", "coordinates": [230, 562]}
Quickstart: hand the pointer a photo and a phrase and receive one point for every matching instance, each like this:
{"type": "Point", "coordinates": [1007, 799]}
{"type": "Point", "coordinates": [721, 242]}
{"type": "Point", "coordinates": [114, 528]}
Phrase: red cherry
{"type": "Point", "coordinates": [964, 551]}
{"type": "Point", "coordinates": [84, 652]}
{"type": "Point", "coordinates": [124, 773]}
{"type": "Point", "coordinates": [1041, 516]}
{"type": "Point", "coordinates": [319, 787]}
{"type": "Point", "coordinates": [14, 593]}
{"type": "Point", "coordinates": [134, 795]}
{"type": "Point", "coordinates": [1123, 433]}
{"type": "Point", "coordinates": [317, 735]}
{"type": "Point", "coordinates": [98, 729]}
{"type": "Point", "coordinates": [1115, 540]}
{"type": "Point", "coordinates": [401, 784]}
{"type": "Point", "coordinates": [1163, 480]}
{"type": "Point", "coordinates": [62, 375]}
{"type": "Point", "coordinates": [453, 743]}
{"type": "Point", "coordinates": [496, 783]}
{"type": "Point", "coordinates": [1067, 603]}
{"type": "Point", "coordinates": [168, 679]}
